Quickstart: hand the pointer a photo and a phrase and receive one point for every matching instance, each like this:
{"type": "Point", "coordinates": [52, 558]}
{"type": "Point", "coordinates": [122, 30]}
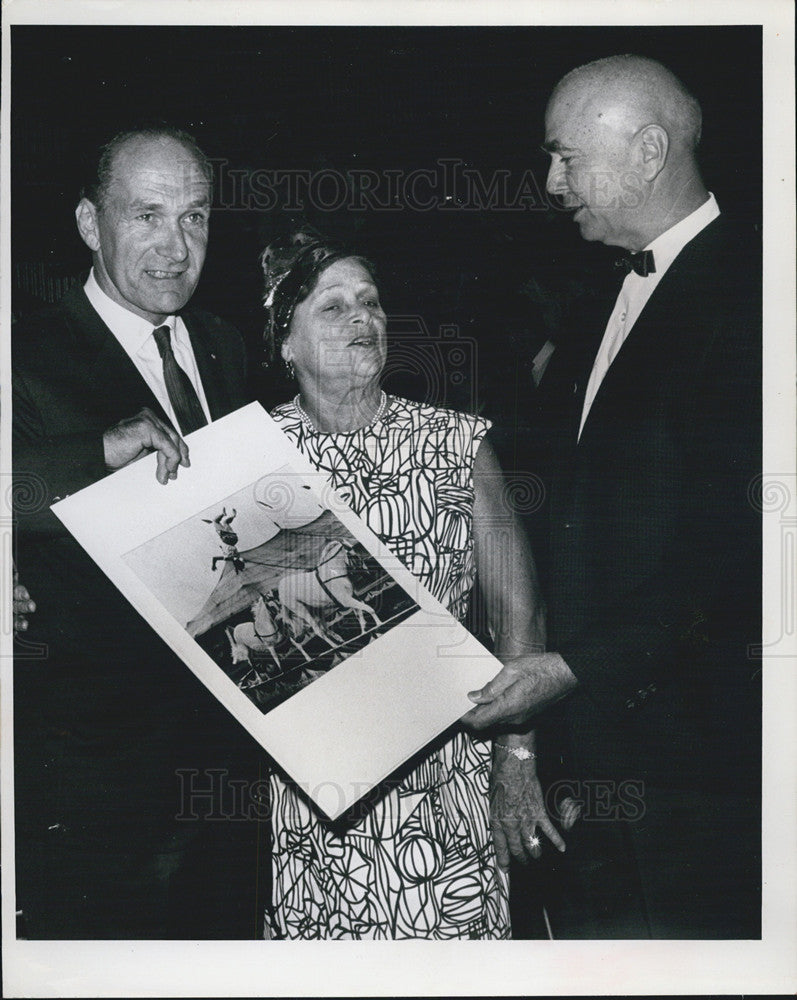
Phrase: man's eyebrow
{"type": "Point", "coordinates": [152, 206]}
{"type": "Point", "coordinates": [141, 203]}
{"type": "Point", "coordinates": [554, 146]}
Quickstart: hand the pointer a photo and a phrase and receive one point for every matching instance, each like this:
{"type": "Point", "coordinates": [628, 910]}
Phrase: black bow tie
{"type": "Point", "coordinates": [641, 262]}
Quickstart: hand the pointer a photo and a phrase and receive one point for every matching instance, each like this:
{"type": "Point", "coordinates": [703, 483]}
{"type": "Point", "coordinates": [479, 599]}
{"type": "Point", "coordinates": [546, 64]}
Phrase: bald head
{"type": "Point", "coordinates": [622, 134]}
{"type": "Point", "coordinates": [630, 92]}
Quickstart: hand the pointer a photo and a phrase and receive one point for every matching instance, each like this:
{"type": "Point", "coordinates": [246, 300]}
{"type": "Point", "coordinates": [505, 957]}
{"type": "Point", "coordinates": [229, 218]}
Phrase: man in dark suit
{"type": "Point", "coordinates": [653, 566]}
{"type": "Point", "coordinates": [104, 722]}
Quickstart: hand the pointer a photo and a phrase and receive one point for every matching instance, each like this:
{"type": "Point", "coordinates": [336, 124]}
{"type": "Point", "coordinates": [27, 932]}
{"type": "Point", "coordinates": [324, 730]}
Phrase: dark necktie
{"type": "Point", "coordinates": [642, 263]}
{"type": "Point", "coordinates": [182, 394]}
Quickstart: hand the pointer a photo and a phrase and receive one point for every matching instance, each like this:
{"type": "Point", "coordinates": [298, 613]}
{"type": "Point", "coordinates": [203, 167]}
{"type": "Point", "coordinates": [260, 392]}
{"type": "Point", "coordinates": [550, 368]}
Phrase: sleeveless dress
{"type": "Point", "coordinates": [420, 863]}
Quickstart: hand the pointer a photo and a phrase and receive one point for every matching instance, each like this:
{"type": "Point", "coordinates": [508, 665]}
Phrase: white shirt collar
{"type": "Point", "coordinates": [671, 242]}
{"type": "Point", "coordinates": [130, 330]}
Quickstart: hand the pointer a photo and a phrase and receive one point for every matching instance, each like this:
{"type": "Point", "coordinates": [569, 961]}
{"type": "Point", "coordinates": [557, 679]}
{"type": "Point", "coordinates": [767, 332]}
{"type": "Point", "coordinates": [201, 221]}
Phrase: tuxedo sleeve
{"type": "Point", "coordinates": [700, 610]}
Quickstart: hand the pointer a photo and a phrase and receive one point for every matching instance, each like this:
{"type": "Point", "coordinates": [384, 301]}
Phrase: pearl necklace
{"type": "Point", "coordinates": [308, 423]}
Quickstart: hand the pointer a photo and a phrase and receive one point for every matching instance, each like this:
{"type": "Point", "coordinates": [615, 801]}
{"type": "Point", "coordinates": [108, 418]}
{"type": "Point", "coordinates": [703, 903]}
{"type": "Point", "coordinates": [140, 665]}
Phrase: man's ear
{"type": "Point", "coordinates": [654, 144]}
{"type": "Point", "coordinates": [86, 217]}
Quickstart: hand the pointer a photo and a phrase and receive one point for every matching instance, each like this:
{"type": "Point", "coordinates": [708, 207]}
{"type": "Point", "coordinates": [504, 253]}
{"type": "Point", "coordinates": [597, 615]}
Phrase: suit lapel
{"type": "Point", "coordinates": [115, 384]}
{"type": "Point", "coordinates": [590, 322]}
{"type": "Point", "coordinates": [656, 331]}
{"type": "Point", "coordinates": [208, 366]}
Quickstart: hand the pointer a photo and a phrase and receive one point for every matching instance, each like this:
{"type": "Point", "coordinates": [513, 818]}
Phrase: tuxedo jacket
{"type": "Point", "coordinates": [653, 566]}
{"type": "Point", "coordinates": [71, 381]}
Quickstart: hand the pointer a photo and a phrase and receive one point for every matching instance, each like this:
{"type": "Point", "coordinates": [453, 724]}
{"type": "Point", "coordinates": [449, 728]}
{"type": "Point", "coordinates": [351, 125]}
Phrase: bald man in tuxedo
{"type": "Point", "coordinates": [653, 563]}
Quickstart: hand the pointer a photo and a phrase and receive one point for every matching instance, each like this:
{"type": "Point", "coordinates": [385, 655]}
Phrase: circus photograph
{"type": "Point", "coordinates": [272, 586]}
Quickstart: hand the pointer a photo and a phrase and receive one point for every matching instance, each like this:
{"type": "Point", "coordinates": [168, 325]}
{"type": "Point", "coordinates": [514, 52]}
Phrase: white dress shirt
{"type": "Point", "coordinates": [135, 335]}
{"type": "Point", "coordinates": [636, 291]}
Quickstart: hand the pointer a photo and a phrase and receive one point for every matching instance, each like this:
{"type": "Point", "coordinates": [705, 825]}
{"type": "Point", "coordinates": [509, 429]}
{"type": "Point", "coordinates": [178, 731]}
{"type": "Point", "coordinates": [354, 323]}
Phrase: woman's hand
{"type": "Point", "coordinates": [517, 810]}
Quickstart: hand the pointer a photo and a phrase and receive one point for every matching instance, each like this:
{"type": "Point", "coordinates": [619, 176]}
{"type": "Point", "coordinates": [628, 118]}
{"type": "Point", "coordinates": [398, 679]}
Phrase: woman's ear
{"type": "Point", "coordinates": [286, 350]}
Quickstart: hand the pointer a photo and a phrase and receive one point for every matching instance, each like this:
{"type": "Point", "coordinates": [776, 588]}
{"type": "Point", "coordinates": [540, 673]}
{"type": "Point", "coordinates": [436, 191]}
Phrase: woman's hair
{"type": "Point", "coordinates": [292, 265]}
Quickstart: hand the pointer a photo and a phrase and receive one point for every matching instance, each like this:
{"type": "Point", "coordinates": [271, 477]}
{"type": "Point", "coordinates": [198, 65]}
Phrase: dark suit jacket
{"type": "Point", "coordinates": [653, 569]}
{"type": "Point", "coordinates": [71, 381]}
{"type": "Point", "coordinates": [104, 721]}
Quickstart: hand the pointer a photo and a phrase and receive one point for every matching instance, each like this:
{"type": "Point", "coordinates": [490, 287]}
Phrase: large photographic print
{"type": "Point", "coordinates": [284, 604]}
{"type": "Point", "coordinates": [198, 639]}
{"type": "Point", "coordinates": [272, 586]}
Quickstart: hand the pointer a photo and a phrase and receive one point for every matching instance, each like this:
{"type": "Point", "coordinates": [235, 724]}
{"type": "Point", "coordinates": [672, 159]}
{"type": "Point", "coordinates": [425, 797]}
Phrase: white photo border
{"type": "Point", "coordinates": [210, 968]}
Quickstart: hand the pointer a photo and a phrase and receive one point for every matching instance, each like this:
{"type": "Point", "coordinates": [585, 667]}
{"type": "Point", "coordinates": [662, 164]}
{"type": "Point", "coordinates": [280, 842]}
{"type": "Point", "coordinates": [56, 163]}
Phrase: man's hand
{"type": "Point", "coordinates": [525, 686]}
{"type": "Point", "coordinates": [569, 811]}
{"type": "Point", "coordinates": [517, 810]}
{"type": "Point", "coordinates": [139, 435]}
{"type": "Point", "coordinates": [23, 605]}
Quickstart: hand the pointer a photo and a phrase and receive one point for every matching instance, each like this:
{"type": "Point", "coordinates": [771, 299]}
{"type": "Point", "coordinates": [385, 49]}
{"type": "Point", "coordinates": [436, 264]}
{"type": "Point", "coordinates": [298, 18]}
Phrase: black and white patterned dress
{"type": "Point", "coordinates": [420, 863]}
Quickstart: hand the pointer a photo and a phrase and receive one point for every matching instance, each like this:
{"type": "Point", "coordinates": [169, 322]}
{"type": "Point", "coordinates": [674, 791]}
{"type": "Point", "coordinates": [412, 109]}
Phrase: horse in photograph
{"type": "Point", "coordinates": [308, 595]}
{"type": "Point", "coordinates": [261, 636]}
{"type": "Point", "coordinates": [258, 636]}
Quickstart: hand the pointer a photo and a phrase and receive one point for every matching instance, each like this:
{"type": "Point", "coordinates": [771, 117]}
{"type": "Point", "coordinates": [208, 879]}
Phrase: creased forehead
{"type": "Point", "coordinates": [142, 155]}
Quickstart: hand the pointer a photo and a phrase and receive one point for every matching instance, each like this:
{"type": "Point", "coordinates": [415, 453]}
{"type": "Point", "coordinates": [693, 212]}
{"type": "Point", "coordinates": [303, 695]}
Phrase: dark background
{"type": "Point", "coordinates": [471, 292]}
{"type": "Point", "coordinates": [337, 99]}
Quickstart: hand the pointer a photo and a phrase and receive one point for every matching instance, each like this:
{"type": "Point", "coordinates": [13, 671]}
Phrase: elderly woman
{"type": "Point", "coordinates": [416, 860]}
